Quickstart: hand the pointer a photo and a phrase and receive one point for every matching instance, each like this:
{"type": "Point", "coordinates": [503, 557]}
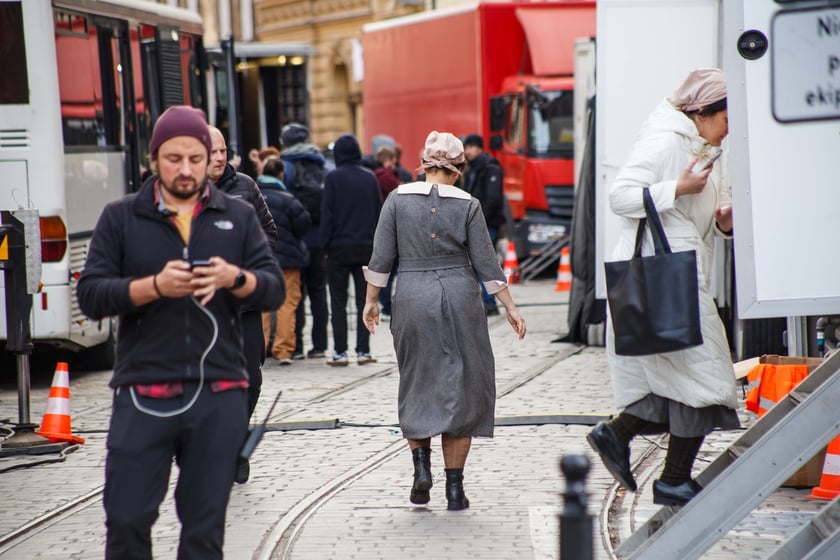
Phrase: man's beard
{"type": "Point", "coordinates": [182, 194]}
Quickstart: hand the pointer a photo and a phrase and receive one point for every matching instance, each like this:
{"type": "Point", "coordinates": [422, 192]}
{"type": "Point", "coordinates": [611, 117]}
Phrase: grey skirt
{"type": "Point", "coordinates": [682, 420]}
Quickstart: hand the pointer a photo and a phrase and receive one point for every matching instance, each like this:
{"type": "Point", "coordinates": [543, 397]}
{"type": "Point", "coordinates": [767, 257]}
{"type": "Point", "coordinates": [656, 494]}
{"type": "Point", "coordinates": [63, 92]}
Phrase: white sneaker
{"type": "Point", "coordinates": [364, 358]}
{"type": "Point", "coordinates": [338, 360]}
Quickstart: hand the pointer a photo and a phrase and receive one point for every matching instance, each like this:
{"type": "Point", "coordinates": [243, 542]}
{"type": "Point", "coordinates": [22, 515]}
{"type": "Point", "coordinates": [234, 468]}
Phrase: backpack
{"type": "Point", "coordinates": [306, 182]}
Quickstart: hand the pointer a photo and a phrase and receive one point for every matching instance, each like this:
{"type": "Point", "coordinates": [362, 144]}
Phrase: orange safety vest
{"type": "Point", "coordinates": [767, 384]}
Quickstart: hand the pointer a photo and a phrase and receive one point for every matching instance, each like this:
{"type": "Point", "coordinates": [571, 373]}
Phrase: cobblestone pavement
{"type": "Point", "coordinates": [342, 493]}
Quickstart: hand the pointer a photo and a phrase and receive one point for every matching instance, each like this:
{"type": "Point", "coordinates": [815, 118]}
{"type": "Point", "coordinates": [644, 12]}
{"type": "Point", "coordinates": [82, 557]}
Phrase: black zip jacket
{"type": "Point", "coordinates": [239, 185]}
{"type": "Point", "coordinates": [165, 339]}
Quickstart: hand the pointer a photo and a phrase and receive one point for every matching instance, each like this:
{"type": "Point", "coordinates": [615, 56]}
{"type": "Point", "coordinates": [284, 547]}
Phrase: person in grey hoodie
{"type": "Point", "coordinates": [349, 214]}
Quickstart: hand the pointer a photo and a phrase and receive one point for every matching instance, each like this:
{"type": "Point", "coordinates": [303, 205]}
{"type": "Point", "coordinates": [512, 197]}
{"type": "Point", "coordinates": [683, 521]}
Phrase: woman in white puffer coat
{"type": "Point", "coordinates": [687, 393]}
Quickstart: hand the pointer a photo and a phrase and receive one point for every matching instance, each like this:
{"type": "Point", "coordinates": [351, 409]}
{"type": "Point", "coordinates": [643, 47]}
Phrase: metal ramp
{"type": "Point", "coordinates": [753, 467]}
{"type": "Point", "coordinates": [533, 265]}
{"type": "Point", "coordinates": [820, 536]}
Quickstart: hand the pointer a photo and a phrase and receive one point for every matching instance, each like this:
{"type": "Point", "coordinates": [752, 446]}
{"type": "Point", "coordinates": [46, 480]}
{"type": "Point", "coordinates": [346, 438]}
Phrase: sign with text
{"type": "Point", "coordinates": [806, 64]}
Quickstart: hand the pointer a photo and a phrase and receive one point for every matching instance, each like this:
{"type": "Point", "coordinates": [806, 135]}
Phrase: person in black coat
{"type": "Point", "coordinates": [349, 214]}
{"type": "Point", "coordinates": [238, 185]}
{"type": "Point", "coordinates": [292, 222]}
{"type": "Point", "coordinates": [483, 180]}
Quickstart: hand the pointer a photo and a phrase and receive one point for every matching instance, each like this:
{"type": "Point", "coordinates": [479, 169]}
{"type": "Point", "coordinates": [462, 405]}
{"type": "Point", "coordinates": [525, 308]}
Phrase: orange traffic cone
{"type": "Point", "coordinates": [511, 264]}
{"type": "Point", "coordinates": [564, 272]}
{"type": "Point", "coordinates": [56, 423]}
{"type": "Point", "coordinates": [829, 487]}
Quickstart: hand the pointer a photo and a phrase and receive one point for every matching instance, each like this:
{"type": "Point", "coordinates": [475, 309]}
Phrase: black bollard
{"type": "Point", "coordinates": [575, 521]}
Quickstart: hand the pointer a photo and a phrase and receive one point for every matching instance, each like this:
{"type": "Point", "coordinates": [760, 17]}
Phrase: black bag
{"type": "Point", "coordinates": [654, 301]}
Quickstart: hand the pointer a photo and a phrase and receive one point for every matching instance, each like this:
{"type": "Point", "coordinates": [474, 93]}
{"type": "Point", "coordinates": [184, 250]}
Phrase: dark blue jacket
{"type": "Point", "coordinates": [292, 221]}
{"type": "Point", "coordinates": [165, 339]}
{"type": "Point", "coordinates": [352, 201]}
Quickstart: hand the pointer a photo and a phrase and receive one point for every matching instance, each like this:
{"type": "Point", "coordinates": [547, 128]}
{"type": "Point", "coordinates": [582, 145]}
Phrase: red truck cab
{"type": "Point", "coordinates": [532, 125]}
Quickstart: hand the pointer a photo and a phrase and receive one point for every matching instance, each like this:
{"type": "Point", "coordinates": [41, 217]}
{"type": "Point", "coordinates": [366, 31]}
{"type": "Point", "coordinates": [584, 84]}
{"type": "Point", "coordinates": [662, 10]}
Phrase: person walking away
{"type": "Point", "coordinates": [257, 158]}
{"type": "Point", "coordinates": [349, 213]}
{"type": "Point", "coordinates": [180, 379]}
{"type": "Point", "coordinates": [238, 185]}
{"type": "Point", "coordinates": [483, 180]}
{"type": "Point", "coordinates": [304, 177]}
{"type": "Point", "coordinates": [447, 371]}
{"type": "Point", "coordinates": [686, 393]}
{"type": "Point", "coordinates": [292, 222]}
{"type": "Point", "coordinates": [388, 181]}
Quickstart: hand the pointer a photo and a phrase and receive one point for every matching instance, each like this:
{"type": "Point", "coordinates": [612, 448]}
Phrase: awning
{"type": "Point", "coordinates": [264, 50]}
{"type": "Point", "coordinates": [551, 34]}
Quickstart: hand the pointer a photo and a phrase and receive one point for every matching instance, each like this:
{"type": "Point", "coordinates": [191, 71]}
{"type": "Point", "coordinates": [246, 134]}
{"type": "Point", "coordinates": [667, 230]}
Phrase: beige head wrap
{"type": "Point", "coordinates": [442, 149]}
{"type": "Point", "coordinates": [701, 88]}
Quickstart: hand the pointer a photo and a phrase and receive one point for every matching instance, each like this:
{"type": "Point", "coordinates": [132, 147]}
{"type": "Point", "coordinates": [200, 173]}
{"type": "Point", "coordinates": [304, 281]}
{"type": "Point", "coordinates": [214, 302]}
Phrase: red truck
{"type": "Point", "coordinates": [502, 69]}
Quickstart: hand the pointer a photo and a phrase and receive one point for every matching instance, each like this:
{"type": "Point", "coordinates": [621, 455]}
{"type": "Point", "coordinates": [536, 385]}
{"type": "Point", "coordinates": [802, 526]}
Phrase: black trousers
{"type": "Point", "coordinates": [205, 441]}
{"type": "Point", "coordinates": [253, 346]}
{"type": "Point", "coordinates": [313, 284]}
{"type": "Point", "coordinates": [344, 263]}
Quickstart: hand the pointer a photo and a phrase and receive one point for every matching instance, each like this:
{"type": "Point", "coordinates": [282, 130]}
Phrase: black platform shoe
{"type": "Point", "coordinates": [615, 456]}
{"type": "Point", "coordinates": [679, 495]}
{"type": "Point", "coordinates": [422, 475]}
{"type": "Point", "coordinates": [455, 499]}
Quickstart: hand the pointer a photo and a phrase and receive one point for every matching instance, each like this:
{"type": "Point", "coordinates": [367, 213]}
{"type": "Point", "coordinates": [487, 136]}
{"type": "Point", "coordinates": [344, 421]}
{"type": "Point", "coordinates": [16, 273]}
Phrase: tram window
{"type": "Point", "coordinates": [14, 88]}
{"type": "Point", "coordinates": [89, 81]}
{"type": "Point", "coordinates": [79, 81]}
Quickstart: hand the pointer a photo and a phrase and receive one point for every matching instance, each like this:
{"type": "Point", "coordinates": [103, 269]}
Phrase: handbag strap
{"type": "Point", "coordinates": [640, 236]}
{"type": "Point", "coordinates": [660, 241]}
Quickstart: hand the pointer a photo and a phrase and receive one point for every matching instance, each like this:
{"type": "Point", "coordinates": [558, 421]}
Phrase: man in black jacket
{"type": "Point", "coordinates": [176, 261]}
{"type": "Point", "coordinates": [305, 169]}
{"type": "Point", "coordinates": [483, 180]}
{"type": "Point", "coordinates": [349, 213]}
{"type": "Point", "coordinates": [238, 185]}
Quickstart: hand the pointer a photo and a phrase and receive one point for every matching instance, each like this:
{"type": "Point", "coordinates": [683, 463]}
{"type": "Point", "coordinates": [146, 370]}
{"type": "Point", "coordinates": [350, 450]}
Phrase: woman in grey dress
{"type": "Point", "coordinates": [447, 371]}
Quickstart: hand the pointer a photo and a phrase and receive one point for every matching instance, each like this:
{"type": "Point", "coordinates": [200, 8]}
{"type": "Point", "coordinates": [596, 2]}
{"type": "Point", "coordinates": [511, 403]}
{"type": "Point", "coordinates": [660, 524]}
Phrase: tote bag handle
{"type": "Point", "coordinates": [657, 231]}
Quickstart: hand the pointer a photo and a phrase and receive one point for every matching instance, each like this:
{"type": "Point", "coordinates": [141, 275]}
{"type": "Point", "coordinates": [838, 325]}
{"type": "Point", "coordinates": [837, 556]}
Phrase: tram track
{"type": "Point", "coordinates": [71, 506]}
{"type": "Point", "coordinates": [279, 542]}
{"type": "Point", "coordinates": [281, 535]}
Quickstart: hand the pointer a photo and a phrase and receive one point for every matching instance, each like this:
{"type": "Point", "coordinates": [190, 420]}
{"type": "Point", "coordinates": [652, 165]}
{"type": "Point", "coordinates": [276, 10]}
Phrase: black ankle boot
{"type": "Point", "coordinates": [455, 490]}
{"type": "Point", "coordinates": [422, 475]}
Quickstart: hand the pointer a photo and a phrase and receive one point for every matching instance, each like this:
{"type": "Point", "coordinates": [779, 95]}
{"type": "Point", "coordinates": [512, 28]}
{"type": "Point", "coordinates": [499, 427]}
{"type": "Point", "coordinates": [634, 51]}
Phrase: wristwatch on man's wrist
{"type": "Point", "coordinates": [240, 280]}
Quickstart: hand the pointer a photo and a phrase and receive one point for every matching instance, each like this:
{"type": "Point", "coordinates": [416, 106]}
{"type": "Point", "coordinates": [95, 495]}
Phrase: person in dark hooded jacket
{"type": "Point", "coordinates": [349, 214]}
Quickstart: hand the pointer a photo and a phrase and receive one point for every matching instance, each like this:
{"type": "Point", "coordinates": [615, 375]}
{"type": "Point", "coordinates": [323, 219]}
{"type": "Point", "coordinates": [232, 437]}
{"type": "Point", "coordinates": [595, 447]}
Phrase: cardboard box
{"type": "Point", "coordinates": [810, 473]}
{"type": "Point", "coordinates": [778, 360]}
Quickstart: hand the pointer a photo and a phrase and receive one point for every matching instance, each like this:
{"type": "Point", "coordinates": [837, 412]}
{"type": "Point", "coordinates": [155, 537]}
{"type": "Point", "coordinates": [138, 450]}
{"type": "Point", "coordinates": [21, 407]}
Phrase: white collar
{"type": "Point", "coordinates": [445, 191]}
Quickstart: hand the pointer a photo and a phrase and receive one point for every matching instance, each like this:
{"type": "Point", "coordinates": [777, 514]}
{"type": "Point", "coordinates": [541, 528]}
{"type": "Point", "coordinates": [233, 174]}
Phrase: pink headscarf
{"type": "Point", "coordinates": [701, 88]}
{"type": "Point", "coordinates": [442, 149]}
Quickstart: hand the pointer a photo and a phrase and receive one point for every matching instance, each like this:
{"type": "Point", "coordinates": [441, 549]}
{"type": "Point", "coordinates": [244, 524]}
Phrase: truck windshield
{"type": "Point", "coordinates": [551, 125]}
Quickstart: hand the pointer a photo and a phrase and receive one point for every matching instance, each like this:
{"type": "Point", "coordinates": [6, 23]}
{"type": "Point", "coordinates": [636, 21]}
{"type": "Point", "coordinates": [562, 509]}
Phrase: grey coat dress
{"type": "Point", "coordinates": [447, 370]}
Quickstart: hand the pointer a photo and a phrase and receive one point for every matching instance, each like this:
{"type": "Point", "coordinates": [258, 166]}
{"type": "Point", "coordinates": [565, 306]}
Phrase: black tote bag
{"type": "Point", "coordinates": [654, 301]}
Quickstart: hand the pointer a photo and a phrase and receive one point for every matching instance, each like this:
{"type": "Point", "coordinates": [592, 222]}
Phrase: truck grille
{"type": "Point", "coordinates": [561, 202]}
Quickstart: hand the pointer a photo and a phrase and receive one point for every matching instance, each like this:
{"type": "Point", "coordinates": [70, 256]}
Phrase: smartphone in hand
{"type": "Point", "coordinates": [199, 262]}
{"type": "Point", "coordinates": [706, 159]}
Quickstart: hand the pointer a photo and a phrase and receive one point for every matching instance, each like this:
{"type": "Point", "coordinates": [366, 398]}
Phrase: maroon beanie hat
{"type": "Point", "coordinates": [180, 120]}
